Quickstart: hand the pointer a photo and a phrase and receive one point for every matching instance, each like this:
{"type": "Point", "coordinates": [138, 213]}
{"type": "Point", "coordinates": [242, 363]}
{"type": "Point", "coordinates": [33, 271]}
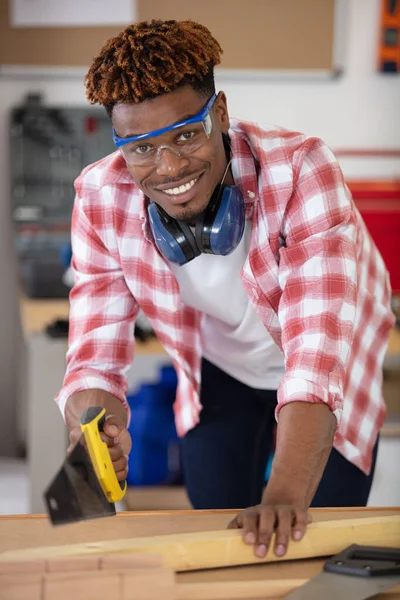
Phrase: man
{"type": "Point", "coordinates": [267, 290]}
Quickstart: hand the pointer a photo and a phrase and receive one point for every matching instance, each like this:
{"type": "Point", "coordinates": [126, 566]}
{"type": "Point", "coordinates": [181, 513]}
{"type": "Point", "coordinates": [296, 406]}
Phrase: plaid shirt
{"type": "Point", "coordinates": [313, 274]}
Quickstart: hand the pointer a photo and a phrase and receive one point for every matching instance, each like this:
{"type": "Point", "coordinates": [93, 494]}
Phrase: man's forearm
{"type": "Point", "coordinates": [79, 402]}
{"type": "Point", "coordinates": [304, 441]}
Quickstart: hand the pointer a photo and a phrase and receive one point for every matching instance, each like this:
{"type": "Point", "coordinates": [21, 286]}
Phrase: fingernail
{"type": "Point", "coordinates": [250, 538]}
{"type": "Point", "coordinates": [116, 441]}
{"type": "Point", "coordinates": [113, 430]}
{"type": "Point", "coordinates": [280, 550]}
{"type": "Point", "coordinates": [261, 551]}
{"type": "Point", "coordinates": [127, 457]}
{"type": "Point", "coordinates": [297, 535]}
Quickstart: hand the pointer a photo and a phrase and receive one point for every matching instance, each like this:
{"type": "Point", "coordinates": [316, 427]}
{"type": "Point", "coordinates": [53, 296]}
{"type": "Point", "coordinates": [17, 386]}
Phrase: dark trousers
{"type": "Point", "coordinates": [225, 456]}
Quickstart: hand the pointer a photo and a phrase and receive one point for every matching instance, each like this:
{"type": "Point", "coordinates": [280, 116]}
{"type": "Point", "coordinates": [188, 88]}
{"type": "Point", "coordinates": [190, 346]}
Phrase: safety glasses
{"type": "Point", "coordinates": [189, 135]}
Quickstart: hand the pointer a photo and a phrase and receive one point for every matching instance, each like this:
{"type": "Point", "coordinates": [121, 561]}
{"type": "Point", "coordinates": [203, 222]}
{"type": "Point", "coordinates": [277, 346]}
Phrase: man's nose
{"type": "Point", "coordinates": [170, 162]}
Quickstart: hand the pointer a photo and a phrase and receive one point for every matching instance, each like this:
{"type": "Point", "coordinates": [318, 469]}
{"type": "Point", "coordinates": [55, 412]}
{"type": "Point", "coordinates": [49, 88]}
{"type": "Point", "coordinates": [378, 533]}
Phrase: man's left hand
{"type": "Point", "coordinates": [261, 521]}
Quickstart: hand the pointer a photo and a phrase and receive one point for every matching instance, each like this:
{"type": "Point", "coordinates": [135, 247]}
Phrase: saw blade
{"type": "Point", "coordinates": [75, 493]}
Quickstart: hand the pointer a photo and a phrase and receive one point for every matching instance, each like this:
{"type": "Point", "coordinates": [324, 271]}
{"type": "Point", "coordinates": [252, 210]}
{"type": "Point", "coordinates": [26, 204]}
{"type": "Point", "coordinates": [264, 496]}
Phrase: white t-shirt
{"type": "Point", "coordinates": [235, 339]}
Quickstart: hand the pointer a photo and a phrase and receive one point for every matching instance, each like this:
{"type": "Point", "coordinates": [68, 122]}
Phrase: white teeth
{"type": "Point", "coordinates": [181, 189]}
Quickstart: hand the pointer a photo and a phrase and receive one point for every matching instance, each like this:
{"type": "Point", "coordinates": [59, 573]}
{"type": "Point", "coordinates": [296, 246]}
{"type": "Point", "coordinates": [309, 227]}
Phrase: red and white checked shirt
{"type": "Point", "coordinates": [313, 274]}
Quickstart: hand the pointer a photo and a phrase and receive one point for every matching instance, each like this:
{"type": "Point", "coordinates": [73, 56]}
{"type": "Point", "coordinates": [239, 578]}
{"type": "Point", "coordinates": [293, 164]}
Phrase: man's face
{"type": "Point", "coordinates": [206, 166]}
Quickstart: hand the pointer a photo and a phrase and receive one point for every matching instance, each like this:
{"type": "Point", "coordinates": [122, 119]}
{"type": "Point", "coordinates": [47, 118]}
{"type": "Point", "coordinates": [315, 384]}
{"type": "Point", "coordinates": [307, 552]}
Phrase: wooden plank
{"type": "Point", "coordinates": [323, 514]}
{"type": "Point", "coordinates": [33, 530]}
{"type": "Point", "coordinates": [212, 549]}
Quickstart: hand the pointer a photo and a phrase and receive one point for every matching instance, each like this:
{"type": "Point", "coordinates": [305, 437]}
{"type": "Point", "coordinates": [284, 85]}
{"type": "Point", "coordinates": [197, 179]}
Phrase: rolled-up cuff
{"type": "Point", "coordinates": [297, 389]}
{"type": "Point", "coordinates": [88, 380]}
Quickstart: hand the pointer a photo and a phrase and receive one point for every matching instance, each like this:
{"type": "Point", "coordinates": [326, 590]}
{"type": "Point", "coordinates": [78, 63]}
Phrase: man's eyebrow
{"type": "Point", "coordinates": [184, 118]}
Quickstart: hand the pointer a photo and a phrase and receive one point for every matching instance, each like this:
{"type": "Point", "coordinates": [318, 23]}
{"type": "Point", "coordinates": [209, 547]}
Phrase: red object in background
{"type": "Point", "coordinates": [379, 205]}
{"type": "Point", "coordinates": [90, 125]}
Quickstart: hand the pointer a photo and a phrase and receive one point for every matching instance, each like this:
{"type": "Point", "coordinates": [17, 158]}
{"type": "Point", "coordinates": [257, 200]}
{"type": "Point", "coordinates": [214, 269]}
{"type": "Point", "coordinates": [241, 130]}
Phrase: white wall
{"type": "Point", "coordinates": [360, 109]}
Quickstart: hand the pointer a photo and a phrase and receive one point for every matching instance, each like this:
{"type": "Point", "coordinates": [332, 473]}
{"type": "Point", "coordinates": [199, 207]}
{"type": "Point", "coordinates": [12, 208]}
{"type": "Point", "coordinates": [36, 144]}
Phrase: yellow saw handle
{"type": "Point", "coordinates": [92, 423]}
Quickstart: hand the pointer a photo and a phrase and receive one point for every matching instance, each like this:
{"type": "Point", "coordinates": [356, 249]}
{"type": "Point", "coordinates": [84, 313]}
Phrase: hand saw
{"type": "Point", "coordinates": [86, 486]}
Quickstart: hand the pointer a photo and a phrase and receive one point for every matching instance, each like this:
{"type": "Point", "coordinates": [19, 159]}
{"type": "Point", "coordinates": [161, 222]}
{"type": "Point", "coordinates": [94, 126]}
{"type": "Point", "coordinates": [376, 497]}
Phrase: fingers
{"type": "Point", "coordinates": [110, 441]}
{"type": "Point", "coordinates": [116, 452]}
{"type": "Point", "coordinates": [237, 522]}
{"type": "Point", "coordinates": [260, 522]}
{"type": "Point", "coordinates": [121, 467]}
{"type": "Point", "coordinates": [118, 441]}
{"type": "Point", "coordinates": [300, 522]}
{"type": "Point", "coordinates": [250, 525]}
{"type": "Point", "coordinates": [76, 435]}
{"type": "Point", "coordinates": [115, 431]}
{"type": "Point", "coordinates": [112, 426]}
{"type": "Point", "coordinates": [283, 530]}
{"type": "Point", "coordinates": [118, 457]}
{"type": "Point", "coordinates": [265, 530]}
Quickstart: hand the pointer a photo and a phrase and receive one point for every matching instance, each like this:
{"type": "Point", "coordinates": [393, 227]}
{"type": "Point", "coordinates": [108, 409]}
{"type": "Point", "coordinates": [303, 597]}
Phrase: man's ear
{"type": "Point", "coordinates": [221, 112]}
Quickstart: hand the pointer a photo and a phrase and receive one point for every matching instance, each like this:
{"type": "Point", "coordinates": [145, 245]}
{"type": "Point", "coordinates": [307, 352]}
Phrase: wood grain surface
{"type": "Point", "coordinates": [225, 548]}
{"type": "Point", "coordinates": [35, 531]}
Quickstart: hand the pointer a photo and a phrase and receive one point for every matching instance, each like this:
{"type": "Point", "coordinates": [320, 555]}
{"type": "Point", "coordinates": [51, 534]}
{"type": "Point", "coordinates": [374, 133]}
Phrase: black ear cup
{"type": "Point", "coordinates": [174, 239]}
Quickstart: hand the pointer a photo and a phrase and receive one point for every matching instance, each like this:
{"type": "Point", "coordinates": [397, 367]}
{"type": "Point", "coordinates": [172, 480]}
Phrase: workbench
{"type": "Point", "coordinates": [31, 531]}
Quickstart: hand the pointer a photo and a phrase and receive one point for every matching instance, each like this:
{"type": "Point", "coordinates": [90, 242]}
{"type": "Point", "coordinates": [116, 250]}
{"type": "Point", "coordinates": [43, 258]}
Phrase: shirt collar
{"type": "Point", "coordinates": [245, 168]}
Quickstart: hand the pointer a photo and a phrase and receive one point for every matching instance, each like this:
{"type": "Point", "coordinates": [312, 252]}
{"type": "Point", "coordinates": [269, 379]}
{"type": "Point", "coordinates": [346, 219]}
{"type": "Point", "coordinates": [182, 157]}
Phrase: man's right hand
{"type": "Point", "coordinates": [115, 433]}
{"type": "Point", "coordinates": [118, 440]}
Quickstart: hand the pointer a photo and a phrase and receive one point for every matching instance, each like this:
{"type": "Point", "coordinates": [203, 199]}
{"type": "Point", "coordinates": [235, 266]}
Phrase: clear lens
{"type": "Point", "coordinates": [182, 141]}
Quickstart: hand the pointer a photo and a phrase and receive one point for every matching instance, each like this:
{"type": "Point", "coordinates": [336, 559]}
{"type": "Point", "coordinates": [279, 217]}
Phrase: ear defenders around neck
{"type": "Point", "coordinates": [218, 229]}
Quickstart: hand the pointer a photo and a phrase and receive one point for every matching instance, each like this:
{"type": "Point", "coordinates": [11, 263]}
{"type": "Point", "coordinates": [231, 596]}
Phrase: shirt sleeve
{"type": "Point", "coordinates": [102, 316]}
{"type": "Point", "coordinates": [318, 278]}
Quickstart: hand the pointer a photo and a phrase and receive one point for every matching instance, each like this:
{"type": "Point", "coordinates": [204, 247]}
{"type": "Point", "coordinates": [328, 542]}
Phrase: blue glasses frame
{"type": "Point", "coordinates": [118, 141]}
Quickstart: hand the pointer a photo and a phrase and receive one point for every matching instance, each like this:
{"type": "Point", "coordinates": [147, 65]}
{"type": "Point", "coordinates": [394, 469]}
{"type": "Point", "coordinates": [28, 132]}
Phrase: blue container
{"type": "Point", "coordinates": [155, 454]}
{"type": "Point", "coordinates": [168, 380]}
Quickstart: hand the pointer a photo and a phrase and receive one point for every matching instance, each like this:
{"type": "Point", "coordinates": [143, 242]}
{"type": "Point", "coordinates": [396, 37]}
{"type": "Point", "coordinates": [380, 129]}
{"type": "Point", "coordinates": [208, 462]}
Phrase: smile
{"type": "Point", "coordinates": [176, 191]}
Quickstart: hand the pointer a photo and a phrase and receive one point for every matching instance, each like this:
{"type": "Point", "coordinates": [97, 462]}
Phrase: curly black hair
{"type": "Point", "coordinates": [148, 59]}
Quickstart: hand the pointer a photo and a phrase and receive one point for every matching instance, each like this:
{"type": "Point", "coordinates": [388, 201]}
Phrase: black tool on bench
{"type": "Point", "coordinates": [356, 573]}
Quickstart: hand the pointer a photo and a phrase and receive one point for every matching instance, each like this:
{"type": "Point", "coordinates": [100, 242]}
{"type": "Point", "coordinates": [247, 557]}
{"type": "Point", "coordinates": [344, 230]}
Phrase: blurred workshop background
{"type": "Point", "coordinates": [329, 68]}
